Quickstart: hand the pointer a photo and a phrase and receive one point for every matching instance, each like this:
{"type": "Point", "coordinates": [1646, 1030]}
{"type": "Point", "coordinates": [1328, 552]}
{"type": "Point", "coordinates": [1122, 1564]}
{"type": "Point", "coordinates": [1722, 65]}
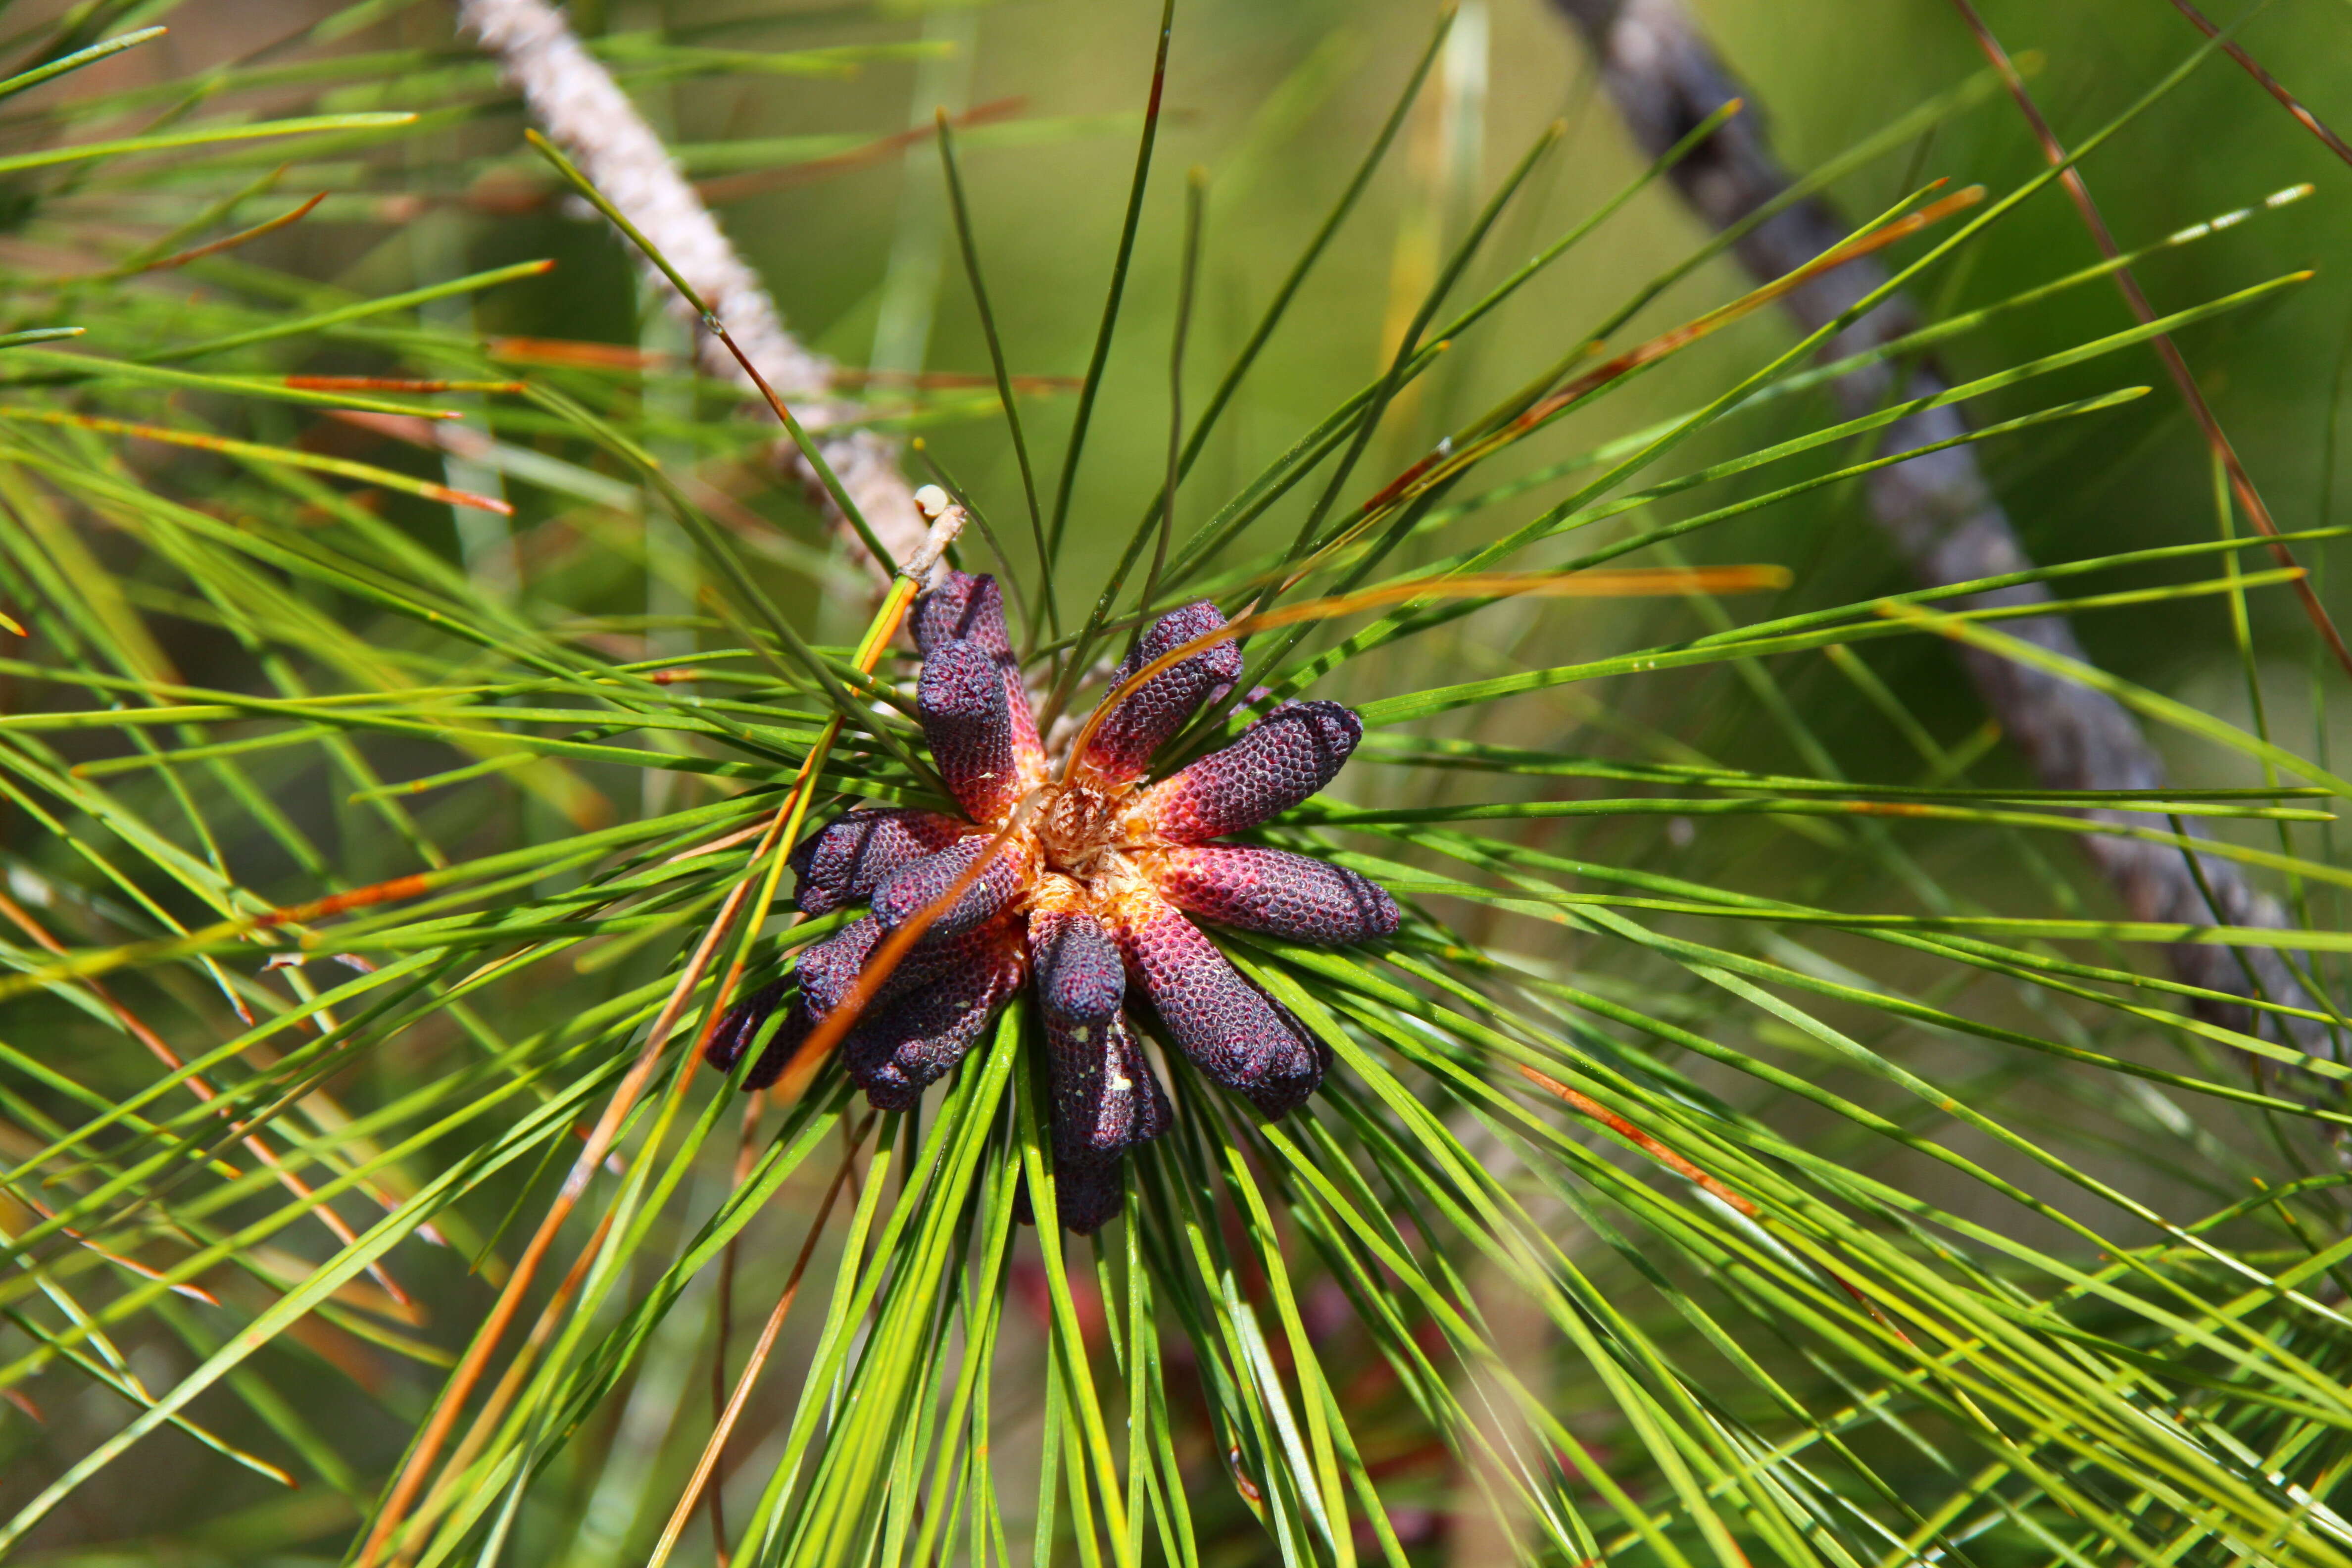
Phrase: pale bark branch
{"type": "Point", "coordinates": [1938, 510]}
{"type": "Point", "coordinates": [583, 111]}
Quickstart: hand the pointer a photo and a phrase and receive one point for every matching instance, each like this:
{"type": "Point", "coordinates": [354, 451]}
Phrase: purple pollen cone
{"type": "Point", "coordinates": [1081, 979]}
{"type": "Point", "coordinates": [1278, 761]}
{"type": "Point", "coordinates": [966, 707]}
{"type": "Point", "coordinates": [919, 884]}
{"type": "Point", "coordinates": [1078, 884]}
{"type": "Point", "coordinates": [1232, 1031]}
{"type": "Point", "coordinates": [1106, 1099]}
{"type": "Point", "coordinates": [964, 607]}
{"type": "Point", "coordinates": [828, 969]}
{"type": "Point", "coordinates": [781, 1046]}
{"type": "Point", "coordinates": [1087, 1195]}
{"type": "Point", "coordinates": [849, 857]}
{"type": "Point", "coordinates": [1122, 746]}
{"type": "Point", "coordinates": [1278, 893]}
{"type": "Point", "coordinates": [898, 1049]}
{"type": "Point", "coordinates": [739, 1026]}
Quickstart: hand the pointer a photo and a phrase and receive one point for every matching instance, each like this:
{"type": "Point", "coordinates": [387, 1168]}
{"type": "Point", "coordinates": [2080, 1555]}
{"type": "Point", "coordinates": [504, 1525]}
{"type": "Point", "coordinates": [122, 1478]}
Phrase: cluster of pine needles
{"type": "Point", "coordinates": [404, 730]}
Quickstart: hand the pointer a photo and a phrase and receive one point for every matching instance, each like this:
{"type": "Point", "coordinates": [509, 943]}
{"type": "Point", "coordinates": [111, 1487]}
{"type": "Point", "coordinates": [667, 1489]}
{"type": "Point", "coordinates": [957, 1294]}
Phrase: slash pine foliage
{"type": "Point", "coordinates": [549, 1014]}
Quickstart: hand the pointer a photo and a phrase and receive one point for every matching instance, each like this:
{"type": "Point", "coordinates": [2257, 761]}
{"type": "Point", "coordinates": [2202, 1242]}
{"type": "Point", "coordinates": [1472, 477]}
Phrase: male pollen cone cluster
{"type": "Point", "coordinates": [1087, 898]}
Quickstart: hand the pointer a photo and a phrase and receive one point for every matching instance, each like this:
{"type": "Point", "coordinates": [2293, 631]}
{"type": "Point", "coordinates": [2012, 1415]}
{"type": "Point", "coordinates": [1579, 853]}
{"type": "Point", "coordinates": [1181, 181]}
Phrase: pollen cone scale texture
{"type": "Point", "coordinates": [1083, 888]}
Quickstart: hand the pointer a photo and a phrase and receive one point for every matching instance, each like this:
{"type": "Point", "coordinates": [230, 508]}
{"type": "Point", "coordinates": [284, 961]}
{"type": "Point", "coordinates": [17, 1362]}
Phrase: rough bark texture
{"type": "Point", "coordinates": [1936, 509]}
{"type": "Point", "coordinates": [583, 111]}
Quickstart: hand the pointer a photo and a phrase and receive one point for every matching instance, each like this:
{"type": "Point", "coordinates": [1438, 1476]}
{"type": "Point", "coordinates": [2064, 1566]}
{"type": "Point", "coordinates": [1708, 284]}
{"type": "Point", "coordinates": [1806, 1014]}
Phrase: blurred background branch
{"type": "Point", "coordinates": [574, 98]}
{"type": "Point", "coordinates": [1936, 509]}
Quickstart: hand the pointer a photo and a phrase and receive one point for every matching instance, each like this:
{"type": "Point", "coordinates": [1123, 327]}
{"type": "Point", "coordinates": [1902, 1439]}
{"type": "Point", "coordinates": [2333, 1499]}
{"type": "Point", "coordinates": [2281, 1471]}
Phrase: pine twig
{"type": "Point", "coordinates": [1938, 510]}
{"type": "Point", "coordinates": [586, 114]}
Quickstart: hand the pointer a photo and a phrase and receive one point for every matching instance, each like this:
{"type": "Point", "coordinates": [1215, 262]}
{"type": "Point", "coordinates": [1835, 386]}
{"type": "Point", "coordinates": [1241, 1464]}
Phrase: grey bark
{"type": "Point", "coordinates": [583, 111]}
{"type": "Point", "coordinates": [1938, 510]}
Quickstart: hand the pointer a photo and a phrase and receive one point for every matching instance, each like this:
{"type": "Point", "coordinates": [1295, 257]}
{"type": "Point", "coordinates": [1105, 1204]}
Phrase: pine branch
{"type": "Point", "coordinates": [1938, 510]}
{"type": "Point", "coordinates": [586, 114]}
